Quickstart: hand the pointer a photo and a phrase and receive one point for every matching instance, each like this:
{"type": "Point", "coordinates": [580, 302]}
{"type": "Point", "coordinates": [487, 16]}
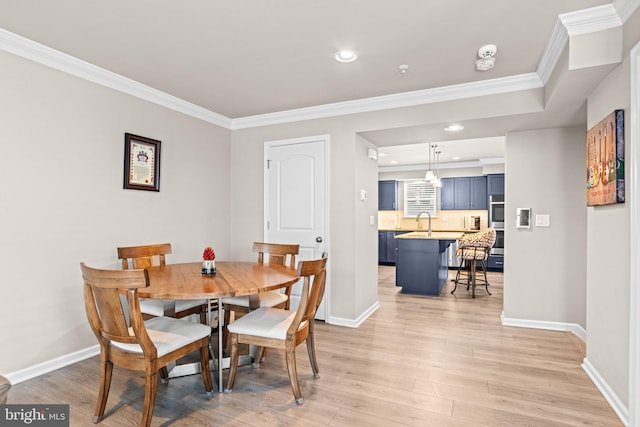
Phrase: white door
{"type": "Point", "coordinates": [295, 202]}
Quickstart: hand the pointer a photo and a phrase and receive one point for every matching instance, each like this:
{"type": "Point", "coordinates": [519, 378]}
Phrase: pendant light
{"type": "Point", "coordinates": [429, 175]}
{"type": "Point", "coordinates": [436, 180]}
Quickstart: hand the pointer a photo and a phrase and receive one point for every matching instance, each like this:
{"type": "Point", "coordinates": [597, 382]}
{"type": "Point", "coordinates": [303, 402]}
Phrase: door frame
{"type": "Point", "coordinates": [634, 283]}
{"type": "Point", "coordinates": [325, 139]}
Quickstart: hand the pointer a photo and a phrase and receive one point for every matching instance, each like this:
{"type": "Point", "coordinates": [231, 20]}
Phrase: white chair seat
{"type": "Point", "coordinates": [168, 334]}
{"type": "Point", "coordinates": [265, 322]}
{"type": "Point", "coordinates": [267, 299]}
{"type": "Point", "coordinates": [155, 307]}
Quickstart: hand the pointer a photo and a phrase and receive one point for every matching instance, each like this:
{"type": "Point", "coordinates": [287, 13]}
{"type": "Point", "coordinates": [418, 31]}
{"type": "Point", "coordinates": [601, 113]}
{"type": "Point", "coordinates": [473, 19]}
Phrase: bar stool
{"type": "Point", "coordinates": [473, 249]}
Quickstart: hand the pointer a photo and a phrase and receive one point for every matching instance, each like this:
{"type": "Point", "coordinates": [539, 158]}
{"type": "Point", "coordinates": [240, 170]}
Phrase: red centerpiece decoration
{"type": "Point", "coordinates": [208, 263]}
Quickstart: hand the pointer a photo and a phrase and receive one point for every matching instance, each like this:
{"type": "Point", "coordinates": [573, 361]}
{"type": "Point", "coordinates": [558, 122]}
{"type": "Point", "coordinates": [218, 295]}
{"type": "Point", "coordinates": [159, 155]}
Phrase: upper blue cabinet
{"type": "Point", "coordinates": [465, 193]}
{"type": "Point", "coordinates": [495, 184]}
{"type": "Point", "coordinates": [387, 195]}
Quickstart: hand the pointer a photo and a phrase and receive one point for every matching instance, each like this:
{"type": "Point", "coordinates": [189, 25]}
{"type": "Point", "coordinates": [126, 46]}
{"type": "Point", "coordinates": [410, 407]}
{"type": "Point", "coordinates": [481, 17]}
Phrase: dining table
{"type": "Point", "coordinates": [185, 281]}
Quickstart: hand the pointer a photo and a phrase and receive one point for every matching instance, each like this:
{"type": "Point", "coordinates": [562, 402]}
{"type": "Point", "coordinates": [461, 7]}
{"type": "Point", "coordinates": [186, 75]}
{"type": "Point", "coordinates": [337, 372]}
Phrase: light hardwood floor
{"type": "Point", "coordinates": [418, 361]}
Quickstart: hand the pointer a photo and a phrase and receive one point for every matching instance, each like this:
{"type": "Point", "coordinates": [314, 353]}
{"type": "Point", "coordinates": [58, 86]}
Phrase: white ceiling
{"type": "Point", "coordinates": [253, 57]}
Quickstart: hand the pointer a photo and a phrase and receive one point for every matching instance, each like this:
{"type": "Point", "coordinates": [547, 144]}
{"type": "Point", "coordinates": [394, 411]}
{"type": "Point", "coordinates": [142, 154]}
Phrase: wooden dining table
{"type": "Point", "coordinates": [186, 282]}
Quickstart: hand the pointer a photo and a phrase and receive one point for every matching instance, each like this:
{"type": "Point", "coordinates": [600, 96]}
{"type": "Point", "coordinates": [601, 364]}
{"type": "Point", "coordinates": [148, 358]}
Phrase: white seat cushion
{"type": "Point", "coordinates": [264, 322]}
{"type": "Point", "coordinates": [155, 307]}
{"type": "Point", "coordinates": [267, 299]}
{"type": "Point", "coordinates": [168, 334]}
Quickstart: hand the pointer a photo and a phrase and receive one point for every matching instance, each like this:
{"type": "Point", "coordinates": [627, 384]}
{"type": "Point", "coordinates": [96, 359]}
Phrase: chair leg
{"type": "Point", "coordinates": [311, 349]}
{"type": "Point", "coordinates": [233, 365]}
{"type": "Point", "coordinates": [151, 387]}
{"type": "Point", "coordinates": [164, 374]}
{"type": "Point", "coordinates": [103, 393]}
{"type": "Point", "coordinates": [204, 365]}
{"type": "Point", "coordinates": [225, 332]}
{"type": "Point", "coordinates": [259, 357]}
{"type": "Point", "coordinates": [293, 375]}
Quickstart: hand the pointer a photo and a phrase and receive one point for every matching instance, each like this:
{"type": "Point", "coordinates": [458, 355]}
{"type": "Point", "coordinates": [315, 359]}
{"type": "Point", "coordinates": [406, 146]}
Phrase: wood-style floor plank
{"type": "Point", "coordinates": [417, 361]}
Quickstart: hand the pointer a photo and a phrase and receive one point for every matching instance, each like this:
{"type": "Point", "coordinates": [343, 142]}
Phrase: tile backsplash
{"type": "Point", "coordinates": [444, 220]}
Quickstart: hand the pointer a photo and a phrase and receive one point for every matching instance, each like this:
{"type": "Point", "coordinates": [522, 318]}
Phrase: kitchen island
{"type": "Point", "coordinates": [421, 267]}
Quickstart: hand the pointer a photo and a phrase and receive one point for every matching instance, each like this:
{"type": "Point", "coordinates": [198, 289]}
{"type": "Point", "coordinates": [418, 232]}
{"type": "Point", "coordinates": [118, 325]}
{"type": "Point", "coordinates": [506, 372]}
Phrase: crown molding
{"type": "Point", "coordinates": [452, 165]}
{"type": "Point", "coordinates": [625, 8]}
{"type": "Point", "coordinates": [44, 55]}
{"type": "Point", "coordinates": [406, 99]}
{"type": "Point", "coordinates": [591, 20]}
{"type": "Point", "coordinates": [556, 44]}
{"type": "Point", "coordinates": [569, 24]}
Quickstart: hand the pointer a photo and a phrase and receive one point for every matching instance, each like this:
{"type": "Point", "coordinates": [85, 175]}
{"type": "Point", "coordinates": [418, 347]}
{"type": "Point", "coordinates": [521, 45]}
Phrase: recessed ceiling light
{"type": "Point", "coordinates": [381, 154]}
{"type": "Point", "coordinates": [393, 162]}
{"type": "Point", "coordinates": [456, 158]}
{"type": "Point", "coordinates": [454, 128]}
{"type": "Point", "coordinates": [346, 56]}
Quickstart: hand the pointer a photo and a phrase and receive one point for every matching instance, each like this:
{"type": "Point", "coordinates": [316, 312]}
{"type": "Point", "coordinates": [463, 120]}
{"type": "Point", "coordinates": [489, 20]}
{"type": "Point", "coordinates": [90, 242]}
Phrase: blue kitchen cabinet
{"type": "Point", "coordinates": [465, 193]}
{"type": "Point", "coordinates": [495, 184]}
{"type": "Point", "coordinates": [387, 247]}
{"type": "Point", "coordinates": [447, 194]}
{"type": "Point", "coordinates": [387, 195]}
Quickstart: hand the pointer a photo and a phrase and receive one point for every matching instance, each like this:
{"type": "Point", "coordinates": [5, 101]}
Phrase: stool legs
{"type": "Point", "coordinates": [471, 266]}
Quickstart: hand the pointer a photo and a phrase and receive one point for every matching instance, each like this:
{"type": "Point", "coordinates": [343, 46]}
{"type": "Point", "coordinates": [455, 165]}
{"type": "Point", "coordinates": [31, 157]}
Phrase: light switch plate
{"type": "Point", "coordinates": [542, 221]}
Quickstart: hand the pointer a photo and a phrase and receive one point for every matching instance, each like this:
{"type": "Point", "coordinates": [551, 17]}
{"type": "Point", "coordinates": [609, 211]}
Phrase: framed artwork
{"type": "Point", "coordinates": [605, 161]}
{"type": "Point", "coordinates": [141, 163]}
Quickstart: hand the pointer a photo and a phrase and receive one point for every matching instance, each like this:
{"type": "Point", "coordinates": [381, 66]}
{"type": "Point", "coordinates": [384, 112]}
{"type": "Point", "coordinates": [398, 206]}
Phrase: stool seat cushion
{"type": "Point", "coordinates": [476, 246]}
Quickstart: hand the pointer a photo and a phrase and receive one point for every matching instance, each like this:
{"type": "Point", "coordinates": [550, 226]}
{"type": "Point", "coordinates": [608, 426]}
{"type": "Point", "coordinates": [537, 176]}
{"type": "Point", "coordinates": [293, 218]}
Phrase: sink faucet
{"type": "Point", "coordinates": [418, 220]}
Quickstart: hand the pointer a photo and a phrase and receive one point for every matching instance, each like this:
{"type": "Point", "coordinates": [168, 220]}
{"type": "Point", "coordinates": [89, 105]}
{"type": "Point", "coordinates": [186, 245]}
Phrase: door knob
{"type": "Point", "coordinates": [319, 239]}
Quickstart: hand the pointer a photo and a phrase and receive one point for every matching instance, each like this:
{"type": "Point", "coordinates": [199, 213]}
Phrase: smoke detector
{"type": "Point", "coordinates": [486, 61]}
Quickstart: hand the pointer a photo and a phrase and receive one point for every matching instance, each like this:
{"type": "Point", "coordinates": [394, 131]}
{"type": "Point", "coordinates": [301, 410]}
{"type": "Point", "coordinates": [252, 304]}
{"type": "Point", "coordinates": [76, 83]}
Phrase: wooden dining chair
{"type": "Point", "coordinates": [276, 253]}
{"type": "Point", "coordinates": [282, 328]}
{"type": "Point", "coordinates": [5, 385]}
{"type": "Point", "coordinates": [139, 345]}
{"type": "Point", "coordinates": [151, 256]}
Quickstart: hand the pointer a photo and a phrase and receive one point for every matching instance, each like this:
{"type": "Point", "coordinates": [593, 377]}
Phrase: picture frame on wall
{"type": "Point", "coordinates": [141, 163]}
{"type": "Point", "coordinates": [605, 161]}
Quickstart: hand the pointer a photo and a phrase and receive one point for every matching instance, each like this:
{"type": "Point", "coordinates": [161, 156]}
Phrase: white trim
{"type": "Point", "coordinates": [351, 323]}
{"type": "Point", "coordinates": [590, 20]}
{"type": "Point", "coordinates": [612, 398]}
{"type": "Point", "coordinates": [51, 365]}
{"type": "Point", "coordinates": [552, 52]}
{"type": "Point", "coordinates": [44, 55]}
{"type": "Point", "coordinates": [453, 165]}
{"type": "Point", "coordinates": [407, 99]}
{"type": "Point", "coordinates": [632, 185]}
{"type": "Point", "coordinates": [625, 8]}
{"type": "Point", "coordinates": [578, 330]}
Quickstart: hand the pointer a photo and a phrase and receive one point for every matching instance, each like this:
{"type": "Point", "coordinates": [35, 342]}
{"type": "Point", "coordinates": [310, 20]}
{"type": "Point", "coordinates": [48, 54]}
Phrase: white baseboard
{"type": "Point", "coordinates": [351, 323]}
{"type": "Point", "coordinates": [541, 324]}
{"type": "Point", "coordinates": [52, 365]}
{"type": "Point", "coordinates": [616, 404]}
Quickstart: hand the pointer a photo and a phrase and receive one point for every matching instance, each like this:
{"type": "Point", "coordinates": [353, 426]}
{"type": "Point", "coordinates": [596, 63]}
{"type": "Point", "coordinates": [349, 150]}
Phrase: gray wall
{"type": "Point", "coordinates": [608, 255]}
{"type": "Point", "coordinates": [544, 277]}
{"type": "Point", "coordinates": [62, 202]}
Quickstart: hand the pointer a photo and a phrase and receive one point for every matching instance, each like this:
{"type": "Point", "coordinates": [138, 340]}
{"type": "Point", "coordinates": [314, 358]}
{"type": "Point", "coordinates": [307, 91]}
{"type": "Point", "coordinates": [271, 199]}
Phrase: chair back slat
{"type": "Point", "coordinates": [277, 253]}
{"type": "Point", "coordinates": [140, 257]}
{"type": "Point", "coordinates": [312, 294]}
